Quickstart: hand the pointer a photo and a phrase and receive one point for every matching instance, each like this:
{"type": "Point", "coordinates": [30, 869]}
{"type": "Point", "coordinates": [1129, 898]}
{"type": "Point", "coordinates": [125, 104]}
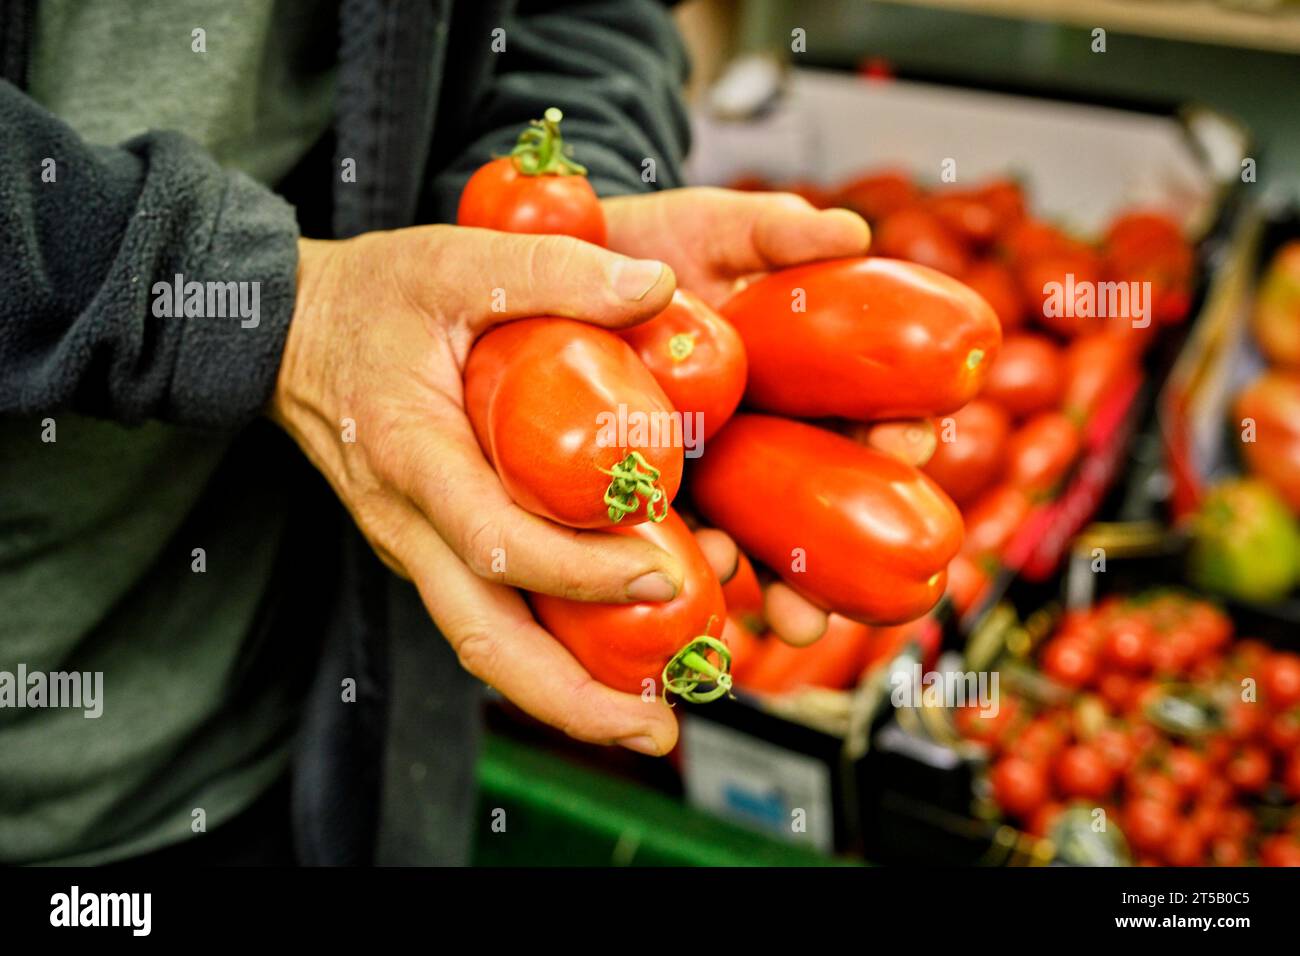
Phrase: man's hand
{"type": "Point", "coordinates": [370, 388]}
{"type": "Point", "coordinates": [718, 239]}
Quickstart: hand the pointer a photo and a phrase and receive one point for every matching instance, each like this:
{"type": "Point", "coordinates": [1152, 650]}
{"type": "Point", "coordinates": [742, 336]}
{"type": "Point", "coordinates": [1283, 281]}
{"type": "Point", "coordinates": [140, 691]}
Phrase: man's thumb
{"type": "Point", "coordinates": [521, 276]}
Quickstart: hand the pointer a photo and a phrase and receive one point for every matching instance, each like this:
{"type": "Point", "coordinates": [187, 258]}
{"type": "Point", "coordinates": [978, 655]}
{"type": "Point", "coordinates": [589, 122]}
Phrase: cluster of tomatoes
{"type": "Point", "coordinates": [986, 237]}
{"type": "Point", "coordinates": [1015, 443]}
{"type": "Point", "coordinates": [1207, 780]}
{"type": "Point", "coordinates": [840, 657]}
{"type": "Point", "coordinates": [790, 384]}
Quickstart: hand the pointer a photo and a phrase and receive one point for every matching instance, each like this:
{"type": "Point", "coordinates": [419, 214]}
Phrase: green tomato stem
{"type": "Point", "coordinates": [689, 668]}
{"type": "Point", "coordinates": [632, 479]}
{"type": "Point", "coordinates": [541, 150]}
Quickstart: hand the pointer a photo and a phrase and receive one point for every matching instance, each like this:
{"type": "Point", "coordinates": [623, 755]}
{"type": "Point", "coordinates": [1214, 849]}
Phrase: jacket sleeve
{"type": "Point", "coordinates": [614, 67]}
{"type": "Point", "coordinates": [86, 232]}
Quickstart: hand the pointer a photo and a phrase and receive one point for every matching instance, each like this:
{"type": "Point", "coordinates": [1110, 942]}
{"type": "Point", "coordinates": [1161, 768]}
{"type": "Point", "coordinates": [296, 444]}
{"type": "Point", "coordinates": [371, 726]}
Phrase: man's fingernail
{"type": "Point", "coordinates": [634, 278]}
{"type": "Point", "coordinates": [643, 744]}
{"type": "Point", "coordinates": [655, 586]}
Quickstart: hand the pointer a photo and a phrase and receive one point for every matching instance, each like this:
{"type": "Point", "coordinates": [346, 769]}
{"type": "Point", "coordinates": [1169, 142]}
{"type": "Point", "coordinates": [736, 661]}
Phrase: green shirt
{"type": "Point", "coordinates": [98, 528]}
{"type": "Point", "coordinates": [255, 100]}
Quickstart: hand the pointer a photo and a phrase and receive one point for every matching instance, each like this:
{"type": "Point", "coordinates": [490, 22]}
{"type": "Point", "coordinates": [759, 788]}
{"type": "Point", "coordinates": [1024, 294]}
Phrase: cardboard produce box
{"type": "Point", "coordinates": [1080, 163]}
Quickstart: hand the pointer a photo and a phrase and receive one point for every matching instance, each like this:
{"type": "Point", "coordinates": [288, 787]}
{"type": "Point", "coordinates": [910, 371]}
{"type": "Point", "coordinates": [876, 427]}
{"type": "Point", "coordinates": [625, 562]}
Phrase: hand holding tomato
{"type": "Point", "coordinates": [537, 189]}
{"type": "Point", "coordinates": [370, 388]}
{"type": "Point", "coordinates": [696, 357]}
{"type": "Point", "coordinates": [717, 239]}
{"type": "Point", "coordinates": [651, 647]}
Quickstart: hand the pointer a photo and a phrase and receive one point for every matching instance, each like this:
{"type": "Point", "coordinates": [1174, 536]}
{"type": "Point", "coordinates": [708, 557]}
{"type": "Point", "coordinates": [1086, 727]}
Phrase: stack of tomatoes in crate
{"type": "Point", "coordinates": [1160, 731]}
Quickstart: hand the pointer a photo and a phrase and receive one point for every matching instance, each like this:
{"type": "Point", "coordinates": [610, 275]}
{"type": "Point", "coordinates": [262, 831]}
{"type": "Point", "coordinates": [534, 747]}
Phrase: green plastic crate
{"type": "Point", "coordinates": [559, 814]}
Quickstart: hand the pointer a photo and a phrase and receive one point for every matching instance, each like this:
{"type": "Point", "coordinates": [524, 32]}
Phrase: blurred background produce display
{"type": "Point", "coordinates": [1113, 674]}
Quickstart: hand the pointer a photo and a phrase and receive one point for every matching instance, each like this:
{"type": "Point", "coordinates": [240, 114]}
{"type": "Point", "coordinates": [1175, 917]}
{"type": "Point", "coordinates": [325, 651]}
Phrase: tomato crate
{"type": "Point", "coordinates": [928, 785]}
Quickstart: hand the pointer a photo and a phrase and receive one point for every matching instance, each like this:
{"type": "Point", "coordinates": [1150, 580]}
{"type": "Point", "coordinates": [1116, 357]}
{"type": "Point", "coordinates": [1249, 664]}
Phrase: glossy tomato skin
{"type": "Point", "coordinates": [1083, 771]}
{"type": "Point", "coordinates": [1095, 366]}
{"type": "Point", "coordinates": [1189, 771]}
{"type": "Point", "coordinates": [1281, 849]}
{"type": "Point", "coordinates": [624, 645]}
{"type": "Point", "coordinates": [994, 518]}
{"type": "Point", "coordinates": [849, 528]}
{"type": "Point", "coordinates": [499, 196]}
{"type": "Point", "coordinates": [879, 339]}
{"type": "Point", "coordinates": [1128, 645]}
{"type": "Point", "coordinates": [1040, 741]}
{"type": "Point", "coordinates": [1138, 230]}
{"type": "Point", "coordinates": [1006, 198]}
{"type": "Point", "coordinates": [967, 581]}
{"type": "Point", "coordinates": [1272, 402]}
{"type": "Point", "coordinates": [745, 646]}
{"type": "Point", "coordinates": [544, 397]}
{"type": "Point", "coordinates": [971, 449]}
{"type": "Point", "coordinates": [1030, 239]}
{"type": "Point", "coordinates": [1149, 824]}
{"type": "Point", "coordinates": [1150, 783]}
{"type": "Point", "coordinates": [1047, 284]}
{"type": "Point", "coordinates": [878, 195]}
{"type": "Point", "coordinates": [1020, 786]}
{"type": "Point", "coordinates": [1212, 627]}
{"type": "Point", "coordinates": [696, 357]}
{"type": "Point", "coordinates": [1069, 661]}
{"type": "Point", "coordinates": [1146, 246]}
{"type": "Point", "coordinates": [1281, 681]}
{"type": "Point", "coordinates": [1118, 690]}
{"type": "Point", "coordinates": [834, 661]}
{"type": "Point", "coordinates": [1283, 731]}
{"type": "Point", "coordinates": [1185, 848]}
{"type": "Point", "coordinates": [966, 215]}
{"type": "Point", "coordinates": [1248, 770]}
{"type": "Point", "coordinates": [1041, 452]}
{"type": "Point", "coordinates": [918, 235]}
{"type": "Point", "coordinates": [997, 284]}
{"type": "Point", "coordinates": [1027, 376]}
{"type": "Point", "coordinates": [1117, 746]}
{"type": "Point", "coordinates": [1045, 818]}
